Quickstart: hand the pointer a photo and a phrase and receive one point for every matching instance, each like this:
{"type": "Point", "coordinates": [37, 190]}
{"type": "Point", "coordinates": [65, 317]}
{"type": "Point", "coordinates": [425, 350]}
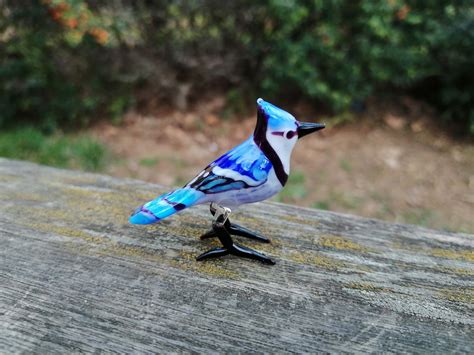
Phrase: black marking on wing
{"type": "Point", "coordinates": [202, 177]}
{"type": "Point", "coordinates": [179, 206]}
{"type": "Point", "coordinates": [204, 180]}
{"type": "Point", "coordinates": [176, 205]}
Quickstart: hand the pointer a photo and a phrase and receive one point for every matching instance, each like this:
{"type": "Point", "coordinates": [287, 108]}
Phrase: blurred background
{"type": "Point", "coordinates": [157, 89]}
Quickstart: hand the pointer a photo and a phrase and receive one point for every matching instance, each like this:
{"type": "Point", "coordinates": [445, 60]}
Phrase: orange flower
{"type": "Point", "coordinates": [62, 7]}
{"type": "Point", "coordinates": [100, 35]}
{"type": "Point", "coordinates": [403, 12]}
{"type": "Point", "coordinates": [326, 39]}
{"type": "Point", "coordinates": [71, 23]}
{"type": "Point", "coordinates": [55, 14]}
{"type": "Point", "coordinates": [84, 17]}
{"type": "Point", "coordinates": [57, 11]}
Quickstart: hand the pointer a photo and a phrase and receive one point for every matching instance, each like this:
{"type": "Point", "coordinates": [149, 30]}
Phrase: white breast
{"type": "Point", "coordinates": [283, 148]}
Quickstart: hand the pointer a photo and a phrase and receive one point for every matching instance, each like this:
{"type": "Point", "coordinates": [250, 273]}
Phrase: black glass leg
{"type": "Point", "coordinates": [235, 229]}
{"type": "Point", "coordinates": [229, 247]}
{"type": "Point", "coordinates": [209, 234]}
{"type": "Point", "coordinates": [213, 253]}
{"type": "Point", "coordinates": [240, 250]}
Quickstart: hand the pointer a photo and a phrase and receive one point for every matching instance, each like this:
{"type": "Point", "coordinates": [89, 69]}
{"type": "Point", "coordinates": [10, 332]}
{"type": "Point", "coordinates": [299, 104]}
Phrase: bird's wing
{"type": "Point", "coordinates": [242, 167]}
{"type": "Point", "coordinates": [245, 166]}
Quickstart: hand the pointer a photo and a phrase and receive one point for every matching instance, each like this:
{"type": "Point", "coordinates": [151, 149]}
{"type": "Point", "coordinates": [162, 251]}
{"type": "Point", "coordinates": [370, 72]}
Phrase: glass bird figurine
{"type": "Point", "coordinates": [253, 171]}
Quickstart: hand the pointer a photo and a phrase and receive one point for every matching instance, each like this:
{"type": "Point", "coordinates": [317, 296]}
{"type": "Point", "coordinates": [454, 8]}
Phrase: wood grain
{"type": "Point", "coordinates": [76, 277]}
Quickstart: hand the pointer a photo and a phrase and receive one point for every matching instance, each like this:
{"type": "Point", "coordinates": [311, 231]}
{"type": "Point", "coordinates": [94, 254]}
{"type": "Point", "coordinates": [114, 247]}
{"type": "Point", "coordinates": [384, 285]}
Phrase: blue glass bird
{"type": "Point", "coordinates": [253, 171]}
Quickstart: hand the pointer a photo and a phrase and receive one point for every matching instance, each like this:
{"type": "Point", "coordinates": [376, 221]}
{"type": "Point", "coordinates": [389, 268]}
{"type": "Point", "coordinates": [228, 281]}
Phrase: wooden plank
{"type": "Point", "coordinates": [75, 276]}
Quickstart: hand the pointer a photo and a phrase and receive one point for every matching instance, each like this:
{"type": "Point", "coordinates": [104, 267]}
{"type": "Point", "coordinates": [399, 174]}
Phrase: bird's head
{"type": "Point", "coordinates": [280, 129]}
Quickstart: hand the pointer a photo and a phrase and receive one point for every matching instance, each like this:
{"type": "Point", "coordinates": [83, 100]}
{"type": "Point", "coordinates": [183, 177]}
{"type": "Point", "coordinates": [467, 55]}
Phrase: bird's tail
{"type": "Point", "coordinates": [165, 205]}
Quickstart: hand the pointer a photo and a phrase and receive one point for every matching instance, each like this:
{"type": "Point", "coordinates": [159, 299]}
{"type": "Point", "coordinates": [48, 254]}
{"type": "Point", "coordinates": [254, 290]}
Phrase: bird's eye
{"type": "Point", "coordinates": [290, 134]}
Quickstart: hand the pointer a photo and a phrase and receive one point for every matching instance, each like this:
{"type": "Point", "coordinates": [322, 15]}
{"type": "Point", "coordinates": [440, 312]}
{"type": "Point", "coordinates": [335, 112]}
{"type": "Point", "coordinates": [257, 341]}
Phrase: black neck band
{"type": "Point", "coordinates": [260, 138]}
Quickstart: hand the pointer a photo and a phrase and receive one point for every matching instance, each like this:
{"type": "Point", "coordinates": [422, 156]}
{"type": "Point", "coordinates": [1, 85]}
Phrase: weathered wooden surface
{"type": "Point", "coordinates": [75, 276]}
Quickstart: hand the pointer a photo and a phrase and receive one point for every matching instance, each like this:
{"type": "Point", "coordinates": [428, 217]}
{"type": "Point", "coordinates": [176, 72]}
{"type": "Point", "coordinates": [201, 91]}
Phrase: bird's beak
{"type": "Point", "coordinates": [306, 128]}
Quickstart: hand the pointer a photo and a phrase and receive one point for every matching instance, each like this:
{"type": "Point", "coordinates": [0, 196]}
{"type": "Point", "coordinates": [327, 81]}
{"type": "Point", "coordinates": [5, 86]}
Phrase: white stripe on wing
{"type": "Point", "coordinates": [234, 175]}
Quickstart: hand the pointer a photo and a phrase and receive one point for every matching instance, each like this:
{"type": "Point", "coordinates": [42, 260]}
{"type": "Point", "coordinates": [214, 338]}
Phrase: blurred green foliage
{"type": "Point", "coordinates": [322, 205]}
{"type": "Point", "coordinates": [64, 62]}
{"type": "Point", "coordinates": [148, 162]}
{"type": "Point", "coordinates": [55, 65]}
{"type": "Point", "coordinates": [56, 150]}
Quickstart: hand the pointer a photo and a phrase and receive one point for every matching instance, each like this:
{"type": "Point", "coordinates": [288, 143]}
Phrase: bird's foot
{"type": "Point", "coordinates": [222, 229]}
{"type": "Point", "coordinates": [235, 229]}
{"type": "Point", "coordinates": [237, 250]}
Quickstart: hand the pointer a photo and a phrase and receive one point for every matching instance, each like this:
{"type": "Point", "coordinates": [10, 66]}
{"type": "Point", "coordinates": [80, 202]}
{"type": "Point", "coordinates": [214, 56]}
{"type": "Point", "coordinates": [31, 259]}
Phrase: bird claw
{"type": "Point", "coordinates": [235, 229]}
{"type": "Point", "coordinates": [222, 229]}
{"type": "Point", "coordinates": [232, 228]}
{"type": "Point", "coordinates": [213, 253]}
{"type": "Point", "coordinates": [237, 250]}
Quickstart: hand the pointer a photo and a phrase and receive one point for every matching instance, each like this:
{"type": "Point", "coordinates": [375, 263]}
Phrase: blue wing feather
{"type": "Point", "coordinates": [242, 167]}
{"type": "Point", "coordinates": [246, 159]}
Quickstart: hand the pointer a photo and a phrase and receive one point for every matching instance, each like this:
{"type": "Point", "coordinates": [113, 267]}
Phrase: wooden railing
{"type": "Point", "coordinates": [76, 276]}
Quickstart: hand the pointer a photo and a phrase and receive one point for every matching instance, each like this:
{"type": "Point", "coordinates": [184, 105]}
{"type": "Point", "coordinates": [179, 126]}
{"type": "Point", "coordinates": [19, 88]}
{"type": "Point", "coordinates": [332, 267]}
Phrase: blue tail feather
{"type": "Point", "coordinates": [165, 205]}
